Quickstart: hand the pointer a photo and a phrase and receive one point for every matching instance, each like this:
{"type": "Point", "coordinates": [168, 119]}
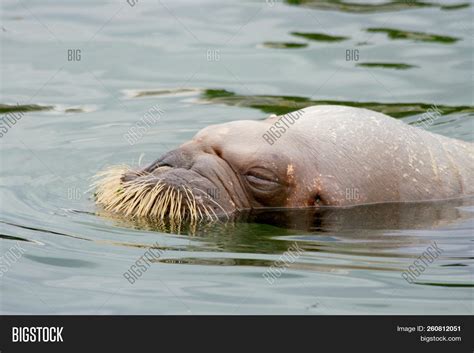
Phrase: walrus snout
{"type": "Point", "coordinates": [177, 158]}
{"type": "Point", "coordinates": [160, 192]}
{"type": "Point", "coordinates": [132, 175]}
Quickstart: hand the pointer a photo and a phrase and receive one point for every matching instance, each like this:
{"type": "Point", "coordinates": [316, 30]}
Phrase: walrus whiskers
{"type": "Point", "coordinates": [146, 195]}
{"type": "Point", "coordinates": [216, 203]}
{"type": "Point", "coordinates": [189, 203]}
{"type": "Point", "coordinates": [192, 206]}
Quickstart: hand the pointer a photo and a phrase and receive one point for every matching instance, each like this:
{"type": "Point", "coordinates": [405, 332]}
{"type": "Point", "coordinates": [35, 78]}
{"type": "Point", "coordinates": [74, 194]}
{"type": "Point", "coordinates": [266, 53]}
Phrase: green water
{"type": "Point", "coordinates": [78, 75]}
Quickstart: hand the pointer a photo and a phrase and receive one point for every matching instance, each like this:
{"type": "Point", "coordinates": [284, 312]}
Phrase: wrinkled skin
{"type": "Point", "coordinates": [329, 156]}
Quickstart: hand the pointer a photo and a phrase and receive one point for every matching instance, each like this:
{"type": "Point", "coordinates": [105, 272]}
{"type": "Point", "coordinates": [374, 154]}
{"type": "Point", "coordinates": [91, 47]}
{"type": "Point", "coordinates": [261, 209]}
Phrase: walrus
{"type": "Point", "coordinates": [320, 156]}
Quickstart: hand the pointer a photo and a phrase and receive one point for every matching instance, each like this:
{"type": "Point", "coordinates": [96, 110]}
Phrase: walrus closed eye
{"type": "Point", "coordinates": [316, 157]}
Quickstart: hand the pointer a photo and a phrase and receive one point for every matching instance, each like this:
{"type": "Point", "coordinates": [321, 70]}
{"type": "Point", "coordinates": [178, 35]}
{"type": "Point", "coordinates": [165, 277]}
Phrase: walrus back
{"type": "Point", "coordinates": [407, 162]}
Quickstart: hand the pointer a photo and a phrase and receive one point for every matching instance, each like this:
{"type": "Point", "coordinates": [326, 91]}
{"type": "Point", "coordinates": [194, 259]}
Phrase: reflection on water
{"type": "Point", "coordinates": [371, 217]}
{"type": "Point", "coordinates": [397, 66]}
{"type": "Point", "coordinates": [285, 104]}
{"type": "Point", "coordinates": [366, 224]}
{"type": "Point", "coordinates": [319, 37]}
{"type": "Point", "coordinates": [20, 108]}
{"type": "Point", "coordinates": [360, 7]}
{"type": "Point", "coordinates": [416, 36]}
{"type": "Point", "coordinates": [378, 235]}
{"type": "Point", "coordinates": [161, 92]}
{"type": "Point", "coordinates": [284, 45]}
{"type": "Point", "coordinates": [11, 108]}
{"type": "Point", "coordinates": [214, 70]}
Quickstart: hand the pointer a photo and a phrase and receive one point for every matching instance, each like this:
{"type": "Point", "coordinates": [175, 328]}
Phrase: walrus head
{"type": "Point", "coordinates": [223, 169]}
{"type": "Point", "coordinates": [321, 156]}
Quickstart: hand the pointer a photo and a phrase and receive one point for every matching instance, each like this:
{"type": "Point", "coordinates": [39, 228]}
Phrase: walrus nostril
{"type": "Point", "coordinates": [174, 159]}
{"type": "Point", "coordinates": [156, 165]}
{"type": "Point", "coordinates": [130, 175]}
{"type": "Point", "coordinates": [162, 169]}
